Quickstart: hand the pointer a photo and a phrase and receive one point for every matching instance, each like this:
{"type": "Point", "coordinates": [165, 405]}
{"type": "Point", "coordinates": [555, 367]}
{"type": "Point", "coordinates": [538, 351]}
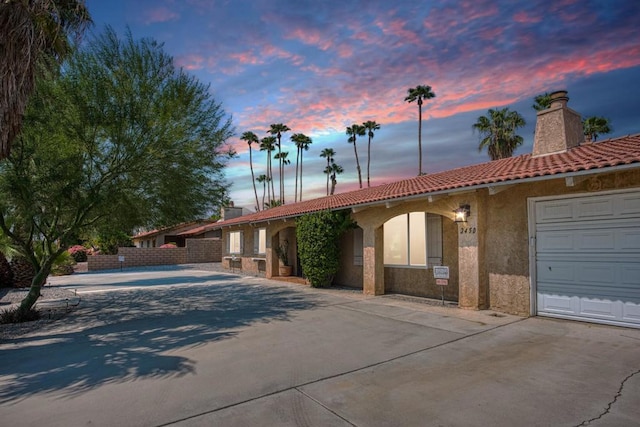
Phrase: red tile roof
{"type": "Point", "coordinates": [588, 156]}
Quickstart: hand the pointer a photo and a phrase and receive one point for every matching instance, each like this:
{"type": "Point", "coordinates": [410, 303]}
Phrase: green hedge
{"type": "Point", "coordinates": [318, 238]}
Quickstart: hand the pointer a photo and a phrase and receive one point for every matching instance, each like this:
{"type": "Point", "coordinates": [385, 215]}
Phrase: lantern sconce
{"type": "Point", "coordinates": [462, 213]}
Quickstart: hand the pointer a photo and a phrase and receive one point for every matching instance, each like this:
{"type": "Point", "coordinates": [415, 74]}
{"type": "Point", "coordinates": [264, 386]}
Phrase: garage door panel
{"type": "Point", "coordinates": [588, 258]}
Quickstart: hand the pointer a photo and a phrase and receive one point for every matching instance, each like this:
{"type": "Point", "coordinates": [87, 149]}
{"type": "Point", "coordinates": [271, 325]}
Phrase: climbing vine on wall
{"type": "Point", "coordinates": [318, 238]}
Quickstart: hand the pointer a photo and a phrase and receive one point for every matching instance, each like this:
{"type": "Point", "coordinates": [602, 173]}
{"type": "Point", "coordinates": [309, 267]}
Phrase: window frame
{"type": "Point", "coordinates": [428, 235]}
{"type": "Point", "coordinates": [239, 239]}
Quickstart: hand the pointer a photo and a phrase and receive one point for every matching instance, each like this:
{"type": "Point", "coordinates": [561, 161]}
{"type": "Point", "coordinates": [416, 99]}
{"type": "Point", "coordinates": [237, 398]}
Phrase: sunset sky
{"type": "Point", "coordinates": [320, 66]}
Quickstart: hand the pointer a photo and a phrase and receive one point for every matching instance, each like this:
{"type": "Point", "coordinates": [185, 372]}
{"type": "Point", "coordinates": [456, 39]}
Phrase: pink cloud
{"type": "Point", "coordinates": [159, 14]}
{"type": "Point", "coordinates": [190, 62]}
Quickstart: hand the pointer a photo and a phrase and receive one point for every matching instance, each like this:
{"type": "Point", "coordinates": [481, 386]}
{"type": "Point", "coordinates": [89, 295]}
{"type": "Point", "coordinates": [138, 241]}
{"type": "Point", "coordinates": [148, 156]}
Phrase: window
{"type": "Point", "coordinates": [357, 246]}
{"type": "Point", "coordinates": [234, 243]}
{"type": "Point", "coordinates": [413, 239]}
{"type": "Point", "coordinates": [260, 241]}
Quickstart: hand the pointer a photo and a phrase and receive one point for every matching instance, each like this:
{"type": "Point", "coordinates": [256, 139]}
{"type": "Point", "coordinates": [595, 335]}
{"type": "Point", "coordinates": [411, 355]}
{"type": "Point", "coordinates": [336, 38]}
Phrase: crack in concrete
{"type": "Point", "coordinates": [610, 404]}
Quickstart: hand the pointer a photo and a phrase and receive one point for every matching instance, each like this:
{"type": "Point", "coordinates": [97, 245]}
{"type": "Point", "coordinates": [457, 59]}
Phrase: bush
{"type": "Point", "coordinates": [78, 252]}
{"type": "Point", "coordinates": [318, 237]}
{"type": "Point", "coordinates": [18, 316]}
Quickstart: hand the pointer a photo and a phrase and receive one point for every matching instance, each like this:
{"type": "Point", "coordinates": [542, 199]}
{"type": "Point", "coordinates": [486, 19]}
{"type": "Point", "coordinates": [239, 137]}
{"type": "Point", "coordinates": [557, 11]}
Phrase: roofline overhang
{"type": "Point", "coordinates": [460, 190]}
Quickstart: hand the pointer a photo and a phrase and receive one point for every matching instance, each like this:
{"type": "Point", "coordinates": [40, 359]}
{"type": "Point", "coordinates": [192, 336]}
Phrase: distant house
{"type": "Point", "coordinates": [553, 233]}
{"type": "Point", "coordinates": [171, 234]}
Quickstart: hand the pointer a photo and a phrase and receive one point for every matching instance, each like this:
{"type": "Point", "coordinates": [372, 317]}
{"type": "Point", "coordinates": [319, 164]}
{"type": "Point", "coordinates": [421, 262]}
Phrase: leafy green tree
{"type": "Point", "coordinates": [120, 133]}
{"type": "Point", "coordinates": [318, 238]}
{"type": "Point", "coordinates": [328, 153]}
{"type": "Point", "coordinates": [594, 127]}
{"type": "Point", "coordinates": [419, 94]}
{"type": "Point", "coordinates": [277, 129]}
{"type": "Point", "coordinates": [302, 143]}
{"type": "Point", "coordinates": [268, 144]}
{"type": "Point", "coordinates": [369, 127]}
{"type": "Point", "coordinates": [251, 138]}
{"type": "Point", "coordinates": [497, 132]}
{"type": "Point", "coordinates": [34, 35]}
{"type": "Point", "coordinates": [354, 131]}
{"type": "Point", "coordinates": [542, 101]}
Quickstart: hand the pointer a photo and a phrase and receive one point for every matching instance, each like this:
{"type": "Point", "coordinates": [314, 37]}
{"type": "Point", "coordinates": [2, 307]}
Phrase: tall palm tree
{"type": "Point", "coordinates": [498, 132]}
{"type": "Point", "coordinates": [268, 144]}
{"type": "Point", "coordinates": [252, 138]}
{"type": "Point", "coordinates": [594, 127]}
{"type": "Point", "coordinates": [277, 129]}
{"type": "Point", "coordinates": [281, 157]}
{"type": "Point", "coordinates": [31, 32]}
{"type": "Point", "coordinates": [335, 169]}
{"type": "Point", "coordinates": [302, 143]}
{"type": "Point", "coordinates": [264, 180]}
{"type": "Point", "coordinates": [419, 93]}
{"type": "Point", "coordinates": [369, 127]}
{"type": "Point", "coordinates": [542, 101]}
{"type": "Point", "coordinates": [354, 131]}
{"type": "Point", "coordinates": [328, 153]}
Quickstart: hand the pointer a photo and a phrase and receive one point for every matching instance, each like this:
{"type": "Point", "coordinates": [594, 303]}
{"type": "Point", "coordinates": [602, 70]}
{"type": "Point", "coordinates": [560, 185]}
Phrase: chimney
{"type": "Point", "coordinates": [558, 128]}
{"type": "Point", "coordinates": [230, 212]}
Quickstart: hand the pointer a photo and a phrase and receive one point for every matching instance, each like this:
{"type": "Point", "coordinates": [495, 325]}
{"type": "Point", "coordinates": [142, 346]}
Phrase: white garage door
{"type": "Point", "coordinates": [588, 258]}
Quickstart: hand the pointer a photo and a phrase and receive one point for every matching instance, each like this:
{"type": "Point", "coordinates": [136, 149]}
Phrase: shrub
{"type": "Point", "coordinates": [78, 252]}
{"type": "Point", "coordinates": [16, 315]}
{"type": "Point", "coordinates": [318, 237]}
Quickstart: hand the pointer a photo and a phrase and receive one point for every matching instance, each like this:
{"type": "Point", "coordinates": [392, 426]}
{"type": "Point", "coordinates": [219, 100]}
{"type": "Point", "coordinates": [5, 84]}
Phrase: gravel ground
{"type": "Point", "coordinates": [10, 297]}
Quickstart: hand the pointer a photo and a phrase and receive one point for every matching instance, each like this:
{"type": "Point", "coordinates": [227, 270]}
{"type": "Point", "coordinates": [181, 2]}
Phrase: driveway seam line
{"type": "Point", "coordinates": [330, 377]}
{"type": "Point", "coordinates": [313, 399]}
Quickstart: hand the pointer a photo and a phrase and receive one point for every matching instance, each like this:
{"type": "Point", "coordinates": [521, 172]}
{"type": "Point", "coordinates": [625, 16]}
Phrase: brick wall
{"type": "Point", "coordinates": [195, 251]}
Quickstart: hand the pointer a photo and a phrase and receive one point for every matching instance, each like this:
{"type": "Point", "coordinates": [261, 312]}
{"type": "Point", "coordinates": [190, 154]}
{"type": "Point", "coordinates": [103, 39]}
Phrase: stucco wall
{"type": "Point", "coordinates": [507, 236]}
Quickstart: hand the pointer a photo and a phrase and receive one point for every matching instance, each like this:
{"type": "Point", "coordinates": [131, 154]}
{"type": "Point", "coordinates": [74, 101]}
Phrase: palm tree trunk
{"type": "Point", "coordinates": [301, 153]}
{"type": "Point", "coordinates": [281, 170]}
{"type": "Point", "coordinates": [419, 137]}
{"type": "Point", "coordinates": [357, 162]}
{"type": "Point", "coordinates": [253, 179]}
{"type": "Point", "coordinates": [368, 161]}
{"type": "Point", "coordinates": [297, 159]}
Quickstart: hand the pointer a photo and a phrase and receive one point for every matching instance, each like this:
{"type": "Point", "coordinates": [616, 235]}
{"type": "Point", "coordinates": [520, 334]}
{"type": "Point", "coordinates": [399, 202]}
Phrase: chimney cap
{"type": "Point", "coordinates": [558, 98]}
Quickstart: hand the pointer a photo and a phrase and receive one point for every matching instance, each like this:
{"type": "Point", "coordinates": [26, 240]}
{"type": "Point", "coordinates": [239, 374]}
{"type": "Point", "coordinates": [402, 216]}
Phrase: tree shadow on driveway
{"type": "Point", "coordinates": [125, 336]}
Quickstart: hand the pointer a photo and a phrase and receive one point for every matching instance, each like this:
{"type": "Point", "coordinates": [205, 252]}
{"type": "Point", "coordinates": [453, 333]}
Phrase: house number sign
{"type": "Point", "coordinates": [467, 230]}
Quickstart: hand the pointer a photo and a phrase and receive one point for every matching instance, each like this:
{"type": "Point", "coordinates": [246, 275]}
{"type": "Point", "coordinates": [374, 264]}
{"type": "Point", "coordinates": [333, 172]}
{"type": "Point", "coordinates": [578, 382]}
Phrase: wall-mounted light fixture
{"type": "Point", "coordinates": [462, 213]}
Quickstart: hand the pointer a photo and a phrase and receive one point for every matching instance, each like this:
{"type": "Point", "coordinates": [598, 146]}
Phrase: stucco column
{"type": "Point", "coordinates": [471, 264]}
{"type": "Point", "coordinates": [372, 261]}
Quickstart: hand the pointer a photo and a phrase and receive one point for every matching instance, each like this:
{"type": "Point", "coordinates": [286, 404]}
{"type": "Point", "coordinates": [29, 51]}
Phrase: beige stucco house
{"type": "Point", "coordinates": [554, 233]}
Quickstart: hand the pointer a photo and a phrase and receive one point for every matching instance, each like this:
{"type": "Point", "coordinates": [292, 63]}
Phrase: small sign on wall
{"type": "Point", "coordinates": [442, 282]}
{"type": "Point", "coordinates": [120, 258]}
{"type": "Point", "coordinates": [441, 272]}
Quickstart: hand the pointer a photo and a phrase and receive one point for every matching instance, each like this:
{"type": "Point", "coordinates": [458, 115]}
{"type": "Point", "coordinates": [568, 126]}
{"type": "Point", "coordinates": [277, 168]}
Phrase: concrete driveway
{"type": "Point", "coordinates": [185, 347]}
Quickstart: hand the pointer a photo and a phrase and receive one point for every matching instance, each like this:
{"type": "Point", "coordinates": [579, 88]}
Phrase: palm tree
{"type": "Point", "coordinates": [264, 180]}
{"type": "Point", "coordinates": [302, 143]}
{"type": "Point", "coordinates": [30, 33]}
{"type": "Point", "coordinates": [594, 127]}
{"type": "Point", "coordinates": [277, 129]}
{"type": "Point", "coordinates": [419, 93]}
{"type": "Point", "coordinates": [542, 101]}
{"type": "Point", "coordinates": [369, 126]}
{"type": "Point", "coordinates": [328, 154]}
{"type": "Point", "coordinates": [335, 169]}
{"type": "Point", "coordinates": [268, 144]}
{"type": "Point", "coordinates": [252, 138]}
{"type": "Point", "coordinates": [354, 131]}
{"type": "Point", "coordinates": [498, 132]}
{"type": "Point", "coordinates": [281, 157]}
